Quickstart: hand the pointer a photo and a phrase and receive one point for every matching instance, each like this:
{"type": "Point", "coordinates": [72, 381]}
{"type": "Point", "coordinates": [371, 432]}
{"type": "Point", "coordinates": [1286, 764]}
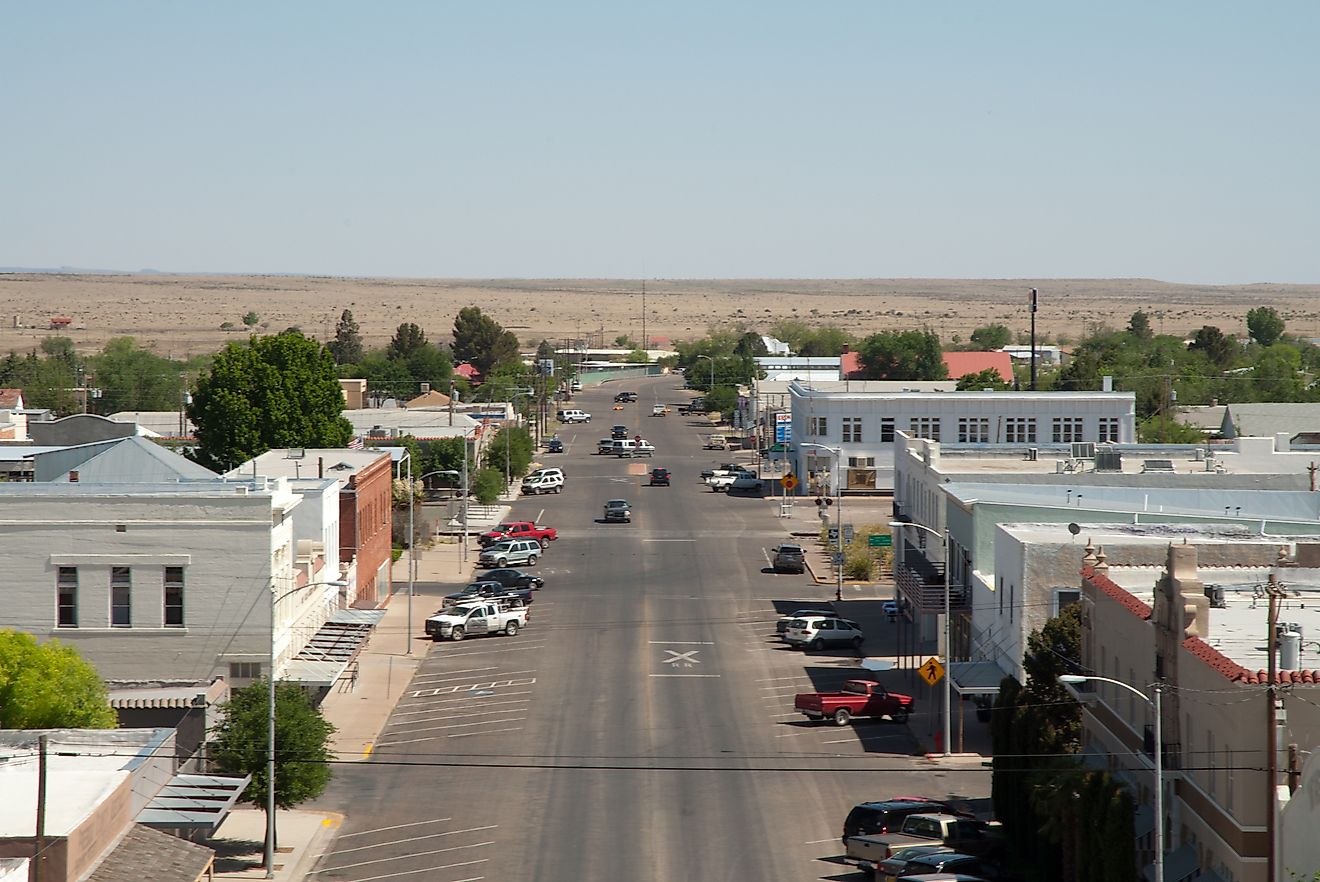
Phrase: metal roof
{"type": "Point", "coordinates": [193, 802]}
{"type": "Point", "coordinates": [333, 647]}
{"type": "Point", "coordinates": [975, 678]}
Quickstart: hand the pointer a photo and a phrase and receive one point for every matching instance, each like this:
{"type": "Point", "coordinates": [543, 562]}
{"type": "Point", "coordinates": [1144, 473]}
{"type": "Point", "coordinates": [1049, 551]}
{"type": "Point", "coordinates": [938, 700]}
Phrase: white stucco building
{"type": "Point", "coordinates": [846, 438]}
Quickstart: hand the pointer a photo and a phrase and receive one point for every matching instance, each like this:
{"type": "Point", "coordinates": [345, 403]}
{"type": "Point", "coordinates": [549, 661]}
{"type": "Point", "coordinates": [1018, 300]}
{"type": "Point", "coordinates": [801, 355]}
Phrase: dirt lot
{"type": "Point", "coordinates": [182, 315]}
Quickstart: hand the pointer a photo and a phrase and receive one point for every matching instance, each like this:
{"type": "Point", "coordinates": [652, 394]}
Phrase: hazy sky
{"type": "Point", "coordinates": [1174, 140]}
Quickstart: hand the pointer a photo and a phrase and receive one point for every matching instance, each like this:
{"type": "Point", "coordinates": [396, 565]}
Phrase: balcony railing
{"type": "Point", "coordinates": [921, 582]}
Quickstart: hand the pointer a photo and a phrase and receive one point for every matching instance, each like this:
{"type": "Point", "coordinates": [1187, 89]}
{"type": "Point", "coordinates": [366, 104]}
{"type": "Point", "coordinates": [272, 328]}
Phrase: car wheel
{"type": "Point", "coordinates": [531, 560]}
{"type": "Point", "coordinates": [557, 489]}
{"type": "Point", "coordinates": [511, 629]}
{"type": "Point", "coordinates": [457, 633]}
{"type": "Point", "coordinates": [842, 716]}
{"type": "Point", "coordinates": [816, 645]}
{"type": "Point", "coordinates": [545, 543]}
{"type": "Point", "coordinates": [502, 562]}
{"type": "Point", "coordinates": [899, 716]}
{"type": "Point", "coordinates": [857, 643]}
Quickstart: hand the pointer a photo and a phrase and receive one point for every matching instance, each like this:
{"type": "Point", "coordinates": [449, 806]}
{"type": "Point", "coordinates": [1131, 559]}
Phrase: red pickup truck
{"type": "Point", "coordinates": [519, 530]}
{"type": "Point", "coordinates": [859, 698]}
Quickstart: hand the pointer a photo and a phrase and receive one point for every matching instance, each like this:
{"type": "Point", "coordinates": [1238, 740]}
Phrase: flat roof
{"type": "Point", "coordinates": [1239, 503]}
{"type": "Point", "coordinates": [971, 459]}
{"type": "Point", "coordinates": [308, 462]}
{"type": "Point", "coordinates": [812, 389]}
{"type": "Point", "coordinates": [200, 488]}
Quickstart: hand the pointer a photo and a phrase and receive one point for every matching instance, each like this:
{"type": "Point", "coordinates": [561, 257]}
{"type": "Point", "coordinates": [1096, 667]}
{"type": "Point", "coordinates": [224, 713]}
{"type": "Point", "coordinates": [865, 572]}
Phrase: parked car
{"type": "Point", "coordinates": [618, 510]}
{"type": "Point", "coordinates": [618, 431]}
{"type": "Point", "coordinates": [789, 559]}
{"type": "Point", "coordinates": [951, 862]}
{"type": "Point", "coordinates": [554, 446]}
{"type": "Point", "coordinates": [659, 477]}
{"type": "Point", "coordinates": [781, 626]}
{"type": "Point", "coordinates": [896, 864]}
{"type": "Point", "coordinates": [457, 622]}
{"type": "Point", "coordinates": [748, 482]}
{"type": "Point", "coordinates": [716, 442]}
{"type": "Point", "coordinates": [484, 589]}
{"type": "Point", "coordinates": [857, 698]}
{"type": "Point", "coordinates": [510, 551]}
{"type": "Point", "coordinates": [817, 632]}
{"type": "Point", "coordinates": [575, 416]}
{"type": "Point", "coordinates": [534, 485]}
{"type": "Point", "coordinates": [886, 815]}
{"type": "Point", "coordinates": [576, 385]}
{"type": "Point", "coordinates": [511, 578]}
{"type": "Point", "coordinates": [519, 530]}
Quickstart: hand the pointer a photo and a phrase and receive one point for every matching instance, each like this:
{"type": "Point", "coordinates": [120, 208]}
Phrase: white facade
{"type": "Point", "coordinates": [781, 368]}
{"type": "Point", "coordinates": [861, 427]}
{"type": "Point", "coordinates": [1044, 354]}
{"type": "Point", "coordinates": [151, 581]}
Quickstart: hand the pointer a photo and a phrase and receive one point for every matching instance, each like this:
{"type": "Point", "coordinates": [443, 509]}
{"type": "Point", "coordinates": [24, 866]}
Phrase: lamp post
{"type": "Point", "coordinates": [412, 548]}
{"type": "Point", "coordinates": [270, 723]}
{"type": "Point", "coordinates": [1156, 688]}
{"type": "Point", "coordinates": [712, 369]}
{"type": "Point", "coordinates": [838, 502]}
{"type": "Point", "coordinates": [948, 633]}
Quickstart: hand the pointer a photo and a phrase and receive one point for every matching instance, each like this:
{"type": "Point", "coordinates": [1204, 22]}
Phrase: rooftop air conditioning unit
{"type": "Point", "coordinates": [1216, 595]}
{"type": "Point", "coordinates": [1198, 454]}
{"type": "Point", "coordinates": [1083, 450]}
{"type": "Point", "coordinates": [1033, 454]}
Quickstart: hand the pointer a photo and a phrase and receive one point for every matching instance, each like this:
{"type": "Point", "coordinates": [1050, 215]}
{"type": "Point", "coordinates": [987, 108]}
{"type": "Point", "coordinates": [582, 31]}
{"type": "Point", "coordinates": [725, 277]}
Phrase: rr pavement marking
{"type": "Point", "coordinates": [472, 687]}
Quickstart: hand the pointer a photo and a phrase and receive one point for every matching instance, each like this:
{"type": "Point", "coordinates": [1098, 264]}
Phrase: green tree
{"type": "Point", "coordinates": [239, 745]}
{"type": "Point", "coordinates": [385, 378]}
{"type": "Point", "coordinates": [986, 379]}
{"type": "Point", "coordinates": [481, 341]}
{"type": "Point", "coordinates": [46, 382]}
{"type": "Point", "coordinates": [251, 319]}
{"type": "Point", "coordinates": [276, 391]}
{"type": "Point", "coordinates": [750, 345]}
{"type": "Point", "coordinates": [430, 364]}
{"type": "Point", "coordinates": [623, 341]}
{"type": "Point", "coordinates": [990, 337]}
{"type": "Point", "coordinates": [824, 342]}
{"type": "Point", "coordinates": [512, 445]}
{"type": "Point", "coordinates": [134, 379]}
{"type": "Point", "coordinates": [1139, 326]}
{"type": "Point", "coordinates": [442, 455]}
{"type": "Point", "coordinates": [722, 400]}
{"type": "Point", "coordinates": [347, 345]}
{"type": "Point", "coordinates": [903, 355]}
{"type": "Point", "coordinates": [60, 349]}
{"type": "Point", "coordinates": [49, 686]}
{"type": "Point", "coordinates": [1221, 351]}
{"type": "Point", "coordinates": [1277, 374]}
{"type": "Point", "coordinates": [637, 356]}
{"type": "Point", "coordinates": [487, 485]}
{"type": "Point", "coordinates": [1159, 429]}
{"type": "Point", "coordinates": [408, 338]}
{"type": "Point", "coordinates": [1265, 325]}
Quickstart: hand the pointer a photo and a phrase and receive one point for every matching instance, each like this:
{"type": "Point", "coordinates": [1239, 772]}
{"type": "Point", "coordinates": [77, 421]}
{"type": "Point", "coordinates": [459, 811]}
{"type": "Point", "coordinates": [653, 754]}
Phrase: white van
{"type": "Point", "coordinates": [631, 447]}
{"type": "Point", "coordinates": [542, 483]}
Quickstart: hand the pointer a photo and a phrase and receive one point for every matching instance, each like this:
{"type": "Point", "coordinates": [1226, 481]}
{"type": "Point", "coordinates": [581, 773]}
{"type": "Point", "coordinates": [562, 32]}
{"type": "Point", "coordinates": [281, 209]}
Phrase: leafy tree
{"type": "Point", "coordinates": [791, 331]}
{"type": "Point", "coordinates": [347, 345]}
{"type": "Point", "coordinates": [408, 338]}
{"type": "Point", "coordinates": [986, 379]}
{"type": "Point", "coordinates": [1277, 373]}
{"type": "Point", "coordinates": [722, 400]}
{"type": "Point", "coordinates": [251, 319]}
{"type": "Point", "coordinates": [903, 355]}
{"type": "Point", "coordinates": [545, 349]}
{"type": "Point", "coordinates": [49, 686]}
{"type": "Point", "coordinates": [60, 349]}
{"type": "Point", "coordinates": [1218, 349]}
{"type": "Point", "coordinates": [442, 455]}
{"type": "Point", "coordinates": [134, 379]}
{"type": "Point", "coordinates": [385, 378]}
{"type": "Point", "coordinates": [1159, 429]}
{"type": "Point", "coordinates": [623, 341]}
{"type": "Point", "coordinates": [481, 341]}
{"type": "Point", "coordinates": [989, 337]}
{"type": "Point", "coordinates": [511, 444]}
{"type": "Point", "coordinates": [1139, 326]}
{"type": "Point", "coordinates": [46, 382]}
{"type": "Point", "coordinates": [487, 485]}
{"type": "Point", "coordinates": [750, 345]}
{"type": "Point", "coordinates": [276, 391]}
{"type": "Point", "coordinates": [824, 342]}
{"type": "Point", "coordinates": [240, 744]}
{"type": "Point", "coordinates": [637, 356]}
{"type": "Point", "coordinates": [1265, 325]}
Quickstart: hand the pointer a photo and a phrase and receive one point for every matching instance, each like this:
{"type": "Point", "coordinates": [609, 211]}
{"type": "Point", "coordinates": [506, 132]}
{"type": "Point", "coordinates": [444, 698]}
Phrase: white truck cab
{"type": "Point", "coordinates": [476, 620]}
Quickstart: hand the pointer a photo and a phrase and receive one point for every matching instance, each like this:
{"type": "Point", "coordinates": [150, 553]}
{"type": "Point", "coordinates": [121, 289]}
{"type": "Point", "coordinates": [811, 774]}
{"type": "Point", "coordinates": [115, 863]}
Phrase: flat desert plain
{"type": "Point", "coordinates": [182, 315]}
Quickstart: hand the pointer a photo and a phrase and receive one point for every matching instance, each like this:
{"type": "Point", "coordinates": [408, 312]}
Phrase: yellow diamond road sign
{"type": "Point", "coordinates": [931, 671]}
{"type": "Point", "coordinates": [789, 481]}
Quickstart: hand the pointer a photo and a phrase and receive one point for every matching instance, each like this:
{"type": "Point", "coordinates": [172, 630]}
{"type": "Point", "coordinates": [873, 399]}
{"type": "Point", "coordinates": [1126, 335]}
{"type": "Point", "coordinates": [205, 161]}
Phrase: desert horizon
{"type": "Point", "coordinates": [180, 315]}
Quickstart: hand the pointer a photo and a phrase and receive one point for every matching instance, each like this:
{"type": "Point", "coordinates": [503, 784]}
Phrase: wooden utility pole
{"type": "Point", "coordinates": [39, 859]}
{"type": "Point", "coordinates": [1275, 591]}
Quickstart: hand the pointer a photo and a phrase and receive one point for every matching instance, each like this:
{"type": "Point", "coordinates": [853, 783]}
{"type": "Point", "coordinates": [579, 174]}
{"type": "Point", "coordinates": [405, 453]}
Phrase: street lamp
{"type": "Point", "coordinates": [948, 634]}
{"type": "Point", "coordinates": [838, 530]}
{"type": "Point", "coordinates": [456, 474]}
{"type": "Point", "coordinates": [412, 548]}
{"type": "Point", "coordinates": [712, 369]}
{"type": "Point", "coordinates": [1157, 688]}
{"type": "Point", "coordinates": [270, 723]}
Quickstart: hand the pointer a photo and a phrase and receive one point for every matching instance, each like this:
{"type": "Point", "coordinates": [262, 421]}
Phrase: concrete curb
{"type": "Point", "coordinates": [316, 846]}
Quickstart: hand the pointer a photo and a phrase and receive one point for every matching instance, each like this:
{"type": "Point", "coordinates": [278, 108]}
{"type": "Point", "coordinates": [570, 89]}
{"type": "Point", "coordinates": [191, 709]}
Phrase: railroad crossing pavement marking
{"type": "Point", "coordinates": [687, 659]}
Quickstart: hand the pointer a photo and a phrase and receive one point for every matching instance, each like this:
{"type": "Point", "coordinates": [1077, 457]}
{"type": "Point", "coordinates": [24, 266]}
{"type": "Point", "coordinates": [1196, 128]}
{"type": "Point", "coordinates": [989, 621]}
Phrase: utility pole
{"type": "Point", "coordinates": [1275, 591]}
{"type": "Point", "coordinates": [644, 346]}
{"type": "Point", "coordinates": [1033, 343]}
{"type": "Point", "coordinates": [39, 859]}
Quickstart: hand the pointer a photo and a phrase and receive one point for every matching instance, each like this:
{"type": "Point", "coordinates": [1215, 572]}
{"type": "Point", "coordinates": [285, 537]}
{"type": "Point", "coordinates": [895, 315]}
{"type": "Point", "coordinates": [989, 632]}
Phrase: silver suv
{"type": "Point", "coordinates": [510, 552]}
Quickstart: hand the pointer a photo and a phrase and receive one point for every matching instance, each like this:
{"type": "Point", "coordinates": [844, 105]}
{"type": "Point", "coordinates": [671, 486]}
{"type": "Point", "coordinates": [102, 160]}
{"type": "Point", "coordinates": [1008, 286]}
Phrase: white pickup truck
{"type": "Point", "coordinates": [741, 479]}
{"type": "Point", "coordinates": [480, 619]}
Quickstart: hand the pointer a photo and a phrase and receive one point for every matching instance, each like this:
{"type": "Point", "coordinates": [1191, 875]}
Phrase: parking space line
{"type": "Point", "coordinates": [338, 852]}
{"type": "Point", "coordinates": [492, 651]}
{"type": "Point", "coordinates": [464, 725]}
{"type": "Point", "coordinates": [684, 675]}
{"type": "Point", "coordinates": [490, 732]}
{"type": "Point", "coordinates": [401, 857]}
{"type": "Point", "coordinates": [483, 703]}
{"type": "Point", "coordinates": [822, 841]}
{"type": "Point", "coordinates": [867, 738]}
{"type": "Point", "coordinates": [460, 716]}
{"type": "Point", "coordinates": [394, 827]}
{"type": "Point", "coordinates": [682, 642]}
{"type": "Point", "coordinates": [479, 670]}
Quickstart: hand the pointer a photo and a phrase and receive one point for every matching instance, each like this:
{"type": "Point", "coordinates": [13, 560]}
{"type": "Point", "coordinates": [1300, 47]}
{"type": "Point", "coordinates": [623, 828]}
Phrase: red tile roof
{"type": "Point", "coordinates": [466, 370]}
{"type": "Point", "coordinates": [850, 366]}
{"type": "Point", "coordinates": [11, 398]}
{"type": "Point", "coordinates": [1116, 592]}
{"type": "Point", "coordinates": [960, 364]}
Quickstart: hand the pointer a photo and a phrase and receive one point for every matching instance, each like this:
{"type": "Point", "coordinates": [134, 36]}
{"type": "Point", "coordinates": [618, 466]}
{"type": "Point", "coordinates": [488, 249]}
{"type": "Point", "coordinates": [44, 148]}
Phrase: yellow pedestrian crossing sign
{"type": "Point", "coordinates": [931, 671]}
{"type": "Point", "coordinates": [789, 481]}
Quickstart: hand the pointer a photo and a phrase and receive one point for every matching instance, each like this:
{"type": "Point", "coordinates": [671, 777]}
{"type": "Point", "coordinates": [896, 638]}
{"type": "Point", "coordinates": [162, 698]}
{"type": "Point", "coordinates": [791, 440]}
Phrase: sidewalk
{"type": "Point", "coordinates": [302, 836]}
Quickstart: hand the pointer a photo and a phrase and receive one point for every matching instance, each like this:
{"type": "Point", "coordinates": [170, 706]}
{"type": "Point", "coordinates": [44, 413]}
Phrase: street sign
{"type": "Point", "coordinates": [847, 534]}
{"type": "Point", "coordinates": [837, 558]}
{"type": "Point", "coordinates": [880, 540]}
{"type": "Point", "coordinates": [789, 481]}
{"type": "Point", "coordinates": [932, 671]}
{"type": "Point", "coordinates": [834, 535]}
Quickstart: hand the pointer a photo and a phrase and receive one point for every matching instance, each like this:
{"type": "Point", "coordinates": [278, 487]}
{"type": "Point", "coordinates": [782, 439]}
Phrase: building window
{"type": "Point", "coordinates": [67, 589]}
{"type": "Point", "coordinates": [1067, 430]}
{"type": "Point", "coordinates": [818, 426]}
{"type": "Point", "coordinates": [1108, 430]}
{"type": "Point", "coordinates": [245, 671]}
{"type": "Point", "coordinates": [886, 430]}
{"type": "Point", "coordinates": [852, 430]}
{"type": "Point", "coordinates": [974, 430]}
{"type": "Point", "coordinates": [121, 597]}
{"type": "Point", "coordinates": [861, 462]}
{"type": "Point", "coordinates": [1020, 430]}
{"type": "Point", "coordinates": [174, 597]}
{"type": "Point", "coordinates": [925, 427]}
{"type": "Point", "coordinates": [1064, 598]}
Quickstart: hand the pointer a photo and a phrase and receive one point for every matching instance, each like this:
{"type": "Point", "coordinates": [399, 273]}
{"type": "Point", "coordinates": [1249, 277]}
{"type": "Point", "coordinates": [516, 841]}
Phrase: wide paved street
{"type": "Point", "coordinates": [641, 727]}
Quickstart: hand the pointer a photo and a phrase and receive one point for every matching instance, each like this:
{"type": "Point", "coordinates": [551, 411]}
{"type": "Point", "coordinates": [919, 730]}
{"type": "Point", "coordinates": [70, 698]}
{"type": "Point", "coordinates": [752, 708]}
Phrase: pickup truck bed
{"type": "Point", "coordinates": [858, 698]}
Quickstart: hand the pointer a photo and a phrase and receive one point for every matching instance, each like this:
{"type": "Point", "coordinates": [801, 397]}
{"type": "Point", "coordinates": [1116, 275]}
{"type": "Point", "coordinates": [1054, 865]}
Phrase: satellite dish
{"type": "Point", "coordinates": [1074, 529]}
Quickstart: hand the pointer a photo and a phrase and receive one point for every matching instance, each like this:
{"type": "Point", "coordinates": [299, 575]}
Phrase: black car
{"type": "Point", "coordinates": [492, 589]}
{"type": "Point", "coordinates": [619, 432]}
{"type": "Point", "coordinates": [555, 446]}
{"type": "Point", "coordinates": [511, 578]}
{"type": "Point", "coordinates": [951, 862]}
{"type": "Point", "coordinates": [660, 477]}
{"type": "Point", "coordinates": [877, 818]}
{"type": "Point", "coordinates": [626, 397]}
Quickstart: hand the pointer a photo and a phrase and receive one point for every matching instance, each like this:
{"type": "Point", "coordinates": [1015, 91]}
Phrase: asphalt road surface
{"type": "Point", "coordinates": [641, 727]}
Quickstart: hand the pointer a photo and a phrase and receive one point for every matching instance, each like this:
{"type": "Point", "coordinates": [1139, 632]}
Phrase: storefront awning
{"type": "Point", "coordinates": [975, 678]}
{"type": "Point", "coordinates": [332, 648]}
{"type": "Point", "coordinates": [195, 802]}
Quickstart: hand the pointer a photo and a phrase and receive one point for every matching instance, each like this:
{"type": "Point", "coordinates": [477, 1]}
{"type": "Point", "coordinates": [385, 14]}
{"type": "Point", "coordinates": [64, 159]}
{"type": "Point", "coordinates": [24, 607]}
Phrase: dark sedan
{"type": "Point", "coordinates": [489, 589]}
{"type": "Point", "coordinates": [554, 446]}
{"type": "Point", "coordinates": [660, 477]}
{"type": "Point", "coordinates": [511, 578]}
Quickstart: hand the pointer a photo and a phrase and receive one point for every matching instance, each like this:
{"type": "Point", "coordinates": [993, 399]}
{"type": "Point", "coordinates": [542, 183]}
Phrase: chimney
{"type": "Point", "coordinates": [847, 347]}
{"type": "Point", "coordinates": [73, 476]}
{"type": "Point", "coordinates": [320, 467]}
{"type": "Point", "coordinates": [1214, 402]}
